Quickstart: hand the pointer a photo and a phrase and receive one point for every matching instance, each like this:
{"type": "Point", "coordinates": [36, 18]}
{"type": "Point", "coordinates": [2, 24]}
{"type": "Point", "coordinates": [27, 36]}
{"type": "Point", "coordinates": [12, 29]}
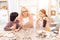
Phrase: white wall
{"type": "Point", "coordinates": [13, 6]}
{"type": "Point", "coordinates": [34, 6]}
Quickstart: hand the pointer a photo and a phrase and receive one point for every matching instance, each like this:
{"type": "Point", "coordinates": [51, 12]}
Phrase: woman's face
{"type": "Point", "coordinates": [24, 13]}
{"type": "Point", "coordinates": [41, 14]}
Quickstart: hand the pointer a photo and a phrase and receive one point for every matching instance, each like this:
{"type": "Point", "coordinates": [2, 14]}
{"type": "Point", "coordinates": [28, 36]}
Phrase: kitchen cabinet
{"type": "Point", "coordinates": [4, 15]}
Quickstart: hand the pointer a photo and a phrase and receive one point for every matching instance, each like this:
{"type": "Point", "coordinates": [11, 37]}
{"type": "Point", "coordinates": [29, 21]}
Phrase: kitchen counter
{"type": "Point", "coordinates": [29, 34]}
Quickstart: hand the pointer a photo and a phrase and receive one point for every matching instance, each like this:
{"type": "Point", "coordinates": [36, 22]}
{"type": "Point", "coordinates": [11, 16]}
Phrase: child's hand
{"type": "Point", "coordinates": [16, 30]}
{"type": "Point", "coordinates": [13, 27]}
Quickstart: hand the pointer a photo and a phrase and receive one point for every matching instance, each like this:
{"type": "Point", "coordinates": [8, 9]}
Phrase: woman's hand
{"type": "Point", "coordinates": [27, 25]}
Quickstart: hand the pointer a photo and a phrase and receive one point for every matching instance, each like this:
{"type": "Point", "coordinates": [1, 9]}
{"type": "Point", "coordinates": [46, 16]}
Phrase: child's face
{"type": "Point", "coordinates": [41, 14]}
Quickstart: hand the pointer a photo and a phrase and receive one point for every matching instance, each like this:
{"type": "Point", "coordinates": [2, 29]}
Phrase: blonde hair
{"type": "Point", "coordinates": [24, 9]}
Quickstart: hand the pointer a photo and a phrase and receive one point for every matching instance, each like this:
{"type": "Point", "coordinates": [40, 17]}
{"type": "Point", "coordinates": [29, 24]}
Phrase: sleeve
{"type": "Point", "coordinates": [37, 24]}
{"type": "Point", "coordinates": [31, 19]}
{"type": "Point", "coordinates": [17, 25]}
{"type": "Point", "coordinates": [7, 27]}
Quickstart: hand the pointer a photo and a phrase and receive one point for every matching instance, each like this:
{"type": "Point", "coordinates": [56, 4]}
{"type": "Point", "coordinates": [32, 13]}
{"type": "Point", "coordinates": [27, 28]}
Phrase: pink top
{"type": "Point", "coordinates": [30, 19]}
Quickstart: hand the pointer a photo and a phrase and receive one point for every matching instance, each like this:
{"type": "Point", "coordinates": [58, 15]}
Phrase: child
{"type": "Point", "coordinates": [43, 21]}
{"type": "Point", "coordinates": [14, 23]}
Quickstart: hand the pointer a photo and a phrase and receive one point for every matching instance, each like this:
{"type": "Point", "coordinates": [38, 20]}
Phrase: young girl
{"type": "Point", "coordinates": [43, 22]}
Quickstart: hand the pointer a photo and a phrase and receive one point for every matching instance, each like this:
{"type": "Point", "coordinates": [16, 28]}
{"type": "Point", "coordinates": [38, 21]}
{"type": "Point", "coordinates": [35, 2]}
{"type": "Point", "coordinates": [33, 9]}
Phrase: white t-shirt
{"type": "Point", "coordinates": [25, 20]}
{"type": "Point", "coordinates": [41, 22]}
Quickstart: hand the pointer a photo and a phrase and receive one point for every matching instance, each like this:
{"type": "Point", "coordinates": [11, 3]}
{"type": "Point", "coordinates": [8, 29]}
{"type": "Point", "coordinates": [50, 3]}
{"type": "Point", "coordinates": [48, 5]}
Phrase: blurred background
{"type": "Point", "coordinates": [52, 8]}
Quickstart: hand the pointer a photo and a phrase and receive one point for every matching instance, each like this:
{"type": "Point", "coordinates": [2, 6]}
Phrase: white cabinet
{"type": "Point", "coordinates": [3, 13]}
{"type": "Point", "coordinates": [3, 18]}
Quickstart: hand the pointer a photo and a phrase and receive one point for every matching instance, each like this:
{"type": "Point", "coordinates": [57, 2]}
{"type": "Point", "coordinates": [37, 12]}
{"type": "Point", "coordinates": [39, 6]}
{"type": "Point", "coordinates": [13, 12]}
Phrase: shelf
{"type": "Point", "coordinates": [3, 5]}
{"type": "Point", "coordinates": [3, 0]}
